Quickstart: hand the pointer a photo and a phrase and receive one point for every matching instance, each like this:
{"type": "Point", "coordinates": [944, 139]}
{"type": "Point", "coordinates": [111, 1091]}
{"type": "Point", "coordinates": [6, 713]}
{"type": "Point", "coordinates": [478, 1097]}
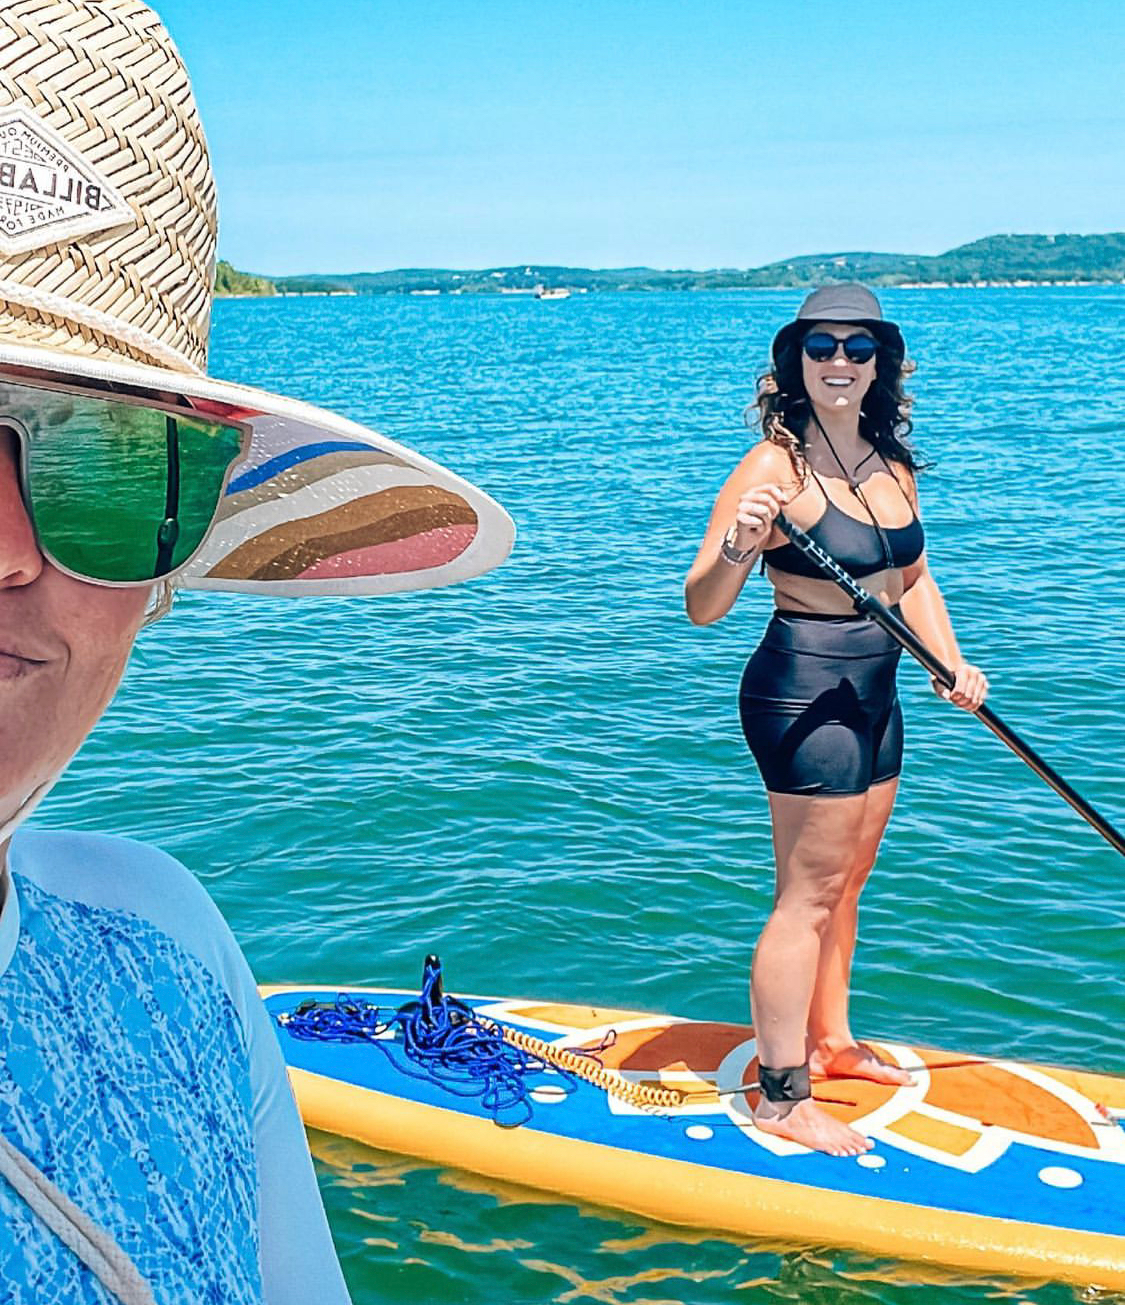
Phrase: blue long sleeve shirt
{"type": "Point", "coordinates": [139, 1071]}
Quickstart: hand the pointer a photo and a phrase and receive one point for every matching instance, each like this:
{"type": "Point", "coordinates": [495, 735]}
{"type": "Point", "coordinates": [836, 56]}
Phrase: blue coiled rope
{"type": "Point", "coordinates": [450, 1045]}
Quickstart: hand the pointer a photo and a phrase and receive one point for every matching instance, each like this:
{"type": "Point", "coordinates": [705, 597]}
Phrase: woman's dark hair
{"type": "Point", "coordinates": [884, 420]}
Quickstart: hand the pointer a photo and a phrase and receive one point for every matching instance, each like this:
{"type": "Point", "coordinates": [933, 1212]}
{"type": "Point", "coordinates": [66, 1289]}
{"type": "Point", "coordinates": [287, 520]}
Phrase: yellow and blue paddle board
{"type": "Point", "coordinates": [989, 1166]}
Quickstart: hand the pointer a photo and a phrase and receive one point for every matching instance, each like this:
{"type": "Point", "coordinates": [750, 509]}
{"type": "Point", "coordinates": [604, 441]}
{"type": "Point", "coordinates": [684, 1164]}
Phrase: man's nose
{"type": "Point", "coordinates": [21, 562]}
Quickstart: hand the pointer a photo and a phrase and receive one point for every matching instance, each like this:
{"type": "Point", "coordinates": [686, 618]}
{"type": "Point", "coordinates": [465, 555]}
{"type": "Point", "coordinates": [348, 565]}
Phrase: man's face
{"type": "Point", "coordinates": [63, 648]}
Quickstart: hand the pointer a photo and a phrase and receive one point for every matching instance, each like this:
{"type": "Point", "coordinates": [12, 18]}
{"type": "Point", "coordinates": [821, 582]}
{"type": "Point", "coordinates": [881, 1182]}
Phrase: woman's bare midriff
{"type": "Point", "coordinates": [798, 593]}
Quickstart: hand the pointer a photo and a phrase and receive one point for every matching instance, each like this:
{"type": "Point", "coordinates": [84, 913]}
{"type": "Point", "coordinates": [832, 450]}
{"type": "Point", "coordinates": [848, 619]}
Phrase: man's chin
{"type": "Point", "coordinates": [21, 795]}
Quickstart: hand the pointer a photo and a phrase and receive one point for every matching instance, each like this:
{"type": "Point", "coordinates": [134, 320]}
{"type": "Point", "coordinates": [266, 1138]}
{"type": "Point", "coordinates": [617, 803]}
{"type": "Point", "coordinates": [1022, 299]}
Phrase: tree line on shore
{"type": "Point", "coordinates": [1004, 259]}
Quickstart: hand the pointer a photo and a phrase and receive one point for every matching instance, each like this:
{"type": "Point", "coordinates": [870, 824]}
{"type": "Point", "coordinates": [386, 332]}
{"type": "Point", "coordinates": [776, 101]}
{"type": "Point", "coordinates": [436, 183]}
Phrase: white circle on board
{"type": "Point", "coordinates": [548, 1094]}
{"type": "Point", "coordinates": [1059, 1176]}
{"type": "Point", "coordinates": [699, 1132]}
{"type": "Point", "coordinates": [869, 1161]}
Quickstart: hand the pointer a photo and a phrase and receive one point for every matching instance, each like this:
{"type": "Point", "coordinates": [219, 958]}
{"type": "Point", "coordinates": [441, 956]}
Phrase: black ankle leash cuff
{"type": "Point", "coordinates": [785, 1084]}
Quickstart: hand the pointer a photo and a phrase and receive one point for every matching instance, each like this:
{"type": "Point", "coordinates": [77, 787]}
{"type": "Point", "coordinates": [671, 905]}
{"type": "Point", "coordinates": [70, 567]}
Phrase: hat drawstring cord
{"type": "Point", "coordinates": [91, 1244]}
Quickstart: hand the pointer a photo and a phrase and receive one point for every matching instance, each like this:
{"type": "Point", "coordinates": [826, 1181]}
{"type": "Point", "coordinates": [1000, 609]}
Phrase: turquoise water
{"type": "Point", "coordinates": [541, 775]}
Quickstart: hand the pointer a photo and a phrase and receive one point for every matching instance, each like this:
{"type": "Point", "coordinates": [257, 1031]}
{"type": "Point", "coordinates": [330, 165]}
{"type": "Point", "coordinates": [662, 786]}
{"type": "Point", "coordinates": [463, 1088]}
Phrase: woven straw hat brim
{"type": "Point", "coordinates": [317, 504]}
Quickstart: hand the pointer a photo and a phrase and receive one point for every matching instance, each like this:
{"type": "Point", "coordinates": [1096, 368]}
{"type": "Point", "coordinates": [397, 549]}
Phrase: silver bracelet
{"type": "Point", "coordinates": [735, 556]}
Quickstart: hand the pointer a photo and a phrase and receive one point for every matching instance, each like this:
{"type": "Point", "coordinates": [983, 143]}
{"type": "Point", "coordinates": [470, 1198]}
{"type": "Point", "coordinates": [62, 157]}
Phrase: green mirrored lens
{"type": "Point", "coordinates": [119, 492]}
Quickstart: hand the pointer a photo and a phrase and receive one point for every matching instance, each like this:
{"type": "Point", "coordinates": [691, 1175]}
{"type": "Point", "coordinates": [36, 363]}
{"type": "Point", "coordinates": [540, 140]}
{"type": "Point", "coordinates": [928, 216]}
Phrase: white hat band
{"type": "Point", "coordinates": [43, 301]}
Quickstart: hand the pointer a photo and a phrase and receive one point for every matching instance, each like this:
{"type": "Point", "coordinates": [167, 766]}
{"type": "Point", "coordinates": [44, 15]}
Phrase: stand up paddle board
{"type": "Point", "coordinates": [989, 1166]}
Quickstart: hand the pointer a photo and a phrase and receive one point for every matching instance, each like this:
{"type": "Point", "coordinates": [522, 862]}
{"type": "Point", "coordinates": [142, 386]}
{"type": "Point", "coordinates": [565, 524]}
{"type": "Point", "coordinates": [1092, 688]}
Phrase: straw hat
{"type": "Point", "coordinates": [107, 256]}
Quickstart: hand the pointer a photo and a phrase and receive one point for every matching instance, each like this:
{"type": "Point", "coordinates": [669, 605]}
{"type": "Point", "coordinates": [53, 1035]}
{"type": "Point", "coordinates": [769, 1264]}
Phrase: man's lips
{"type": "Point", "coordinates": [15, 662]}
{"type": "Point", "coordinates": [15, 668]}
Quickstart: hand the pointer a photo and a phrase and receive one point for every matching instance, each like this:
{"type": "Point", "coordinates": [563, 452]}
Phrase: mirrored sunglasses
{"type": "Point", "coordinates": [121, 489]}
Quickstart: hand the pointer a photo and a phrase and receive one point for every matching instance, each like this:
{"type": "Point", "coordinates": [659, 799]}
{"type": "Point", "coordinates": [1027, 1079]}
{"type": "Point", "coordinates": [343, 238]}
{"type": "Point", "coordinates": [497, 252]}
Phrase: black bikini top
{"type": "Point", "coordinates": [860, 549]}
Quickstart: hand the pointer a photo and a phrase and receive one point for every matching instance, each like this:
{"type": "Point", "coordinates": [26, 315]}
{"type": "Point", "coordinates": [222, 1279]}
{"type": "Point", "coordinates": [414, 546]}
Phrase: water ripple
{"type": "Point", "coordinates": [541, 775]}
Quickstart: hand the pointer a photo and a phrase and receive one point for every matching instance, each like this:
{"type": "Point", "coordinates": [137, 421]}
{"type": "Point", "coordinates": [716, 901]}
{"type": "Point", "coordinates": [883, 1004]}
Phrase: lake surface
{"type": "Point", "coordinates": [541, 775]}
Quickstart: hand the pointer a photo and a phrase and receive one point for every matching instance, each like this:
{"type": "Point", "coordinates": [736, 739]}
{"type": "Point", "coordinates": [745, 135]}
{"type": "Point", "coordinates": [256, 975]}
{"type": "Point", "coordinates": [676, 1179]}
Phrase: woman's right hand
{"type": "Point", "coordinates": [756, 513]}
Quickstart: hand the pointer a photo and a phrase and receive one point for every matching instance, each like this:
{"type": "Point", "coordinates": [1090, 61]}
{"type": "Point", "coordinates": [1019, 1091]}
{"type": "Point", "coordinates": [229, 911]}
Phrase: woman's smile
{"type": "Point", "coordinates": [840, 382]}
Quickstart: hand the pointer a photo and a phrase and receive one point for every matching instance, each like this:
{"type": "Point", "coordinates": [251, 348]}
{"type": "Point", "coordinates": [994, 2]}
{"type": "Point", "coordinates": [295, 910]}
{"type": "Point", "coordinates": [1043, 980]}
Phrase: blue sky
{"type": "Point", "coordinates": [353, 135]}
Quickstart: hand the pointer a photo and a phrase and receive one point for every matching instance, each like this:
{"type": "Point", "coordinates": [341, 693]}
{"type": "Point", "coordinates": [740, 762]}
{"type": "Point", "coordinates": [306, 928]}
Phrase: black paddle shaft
{"type": "Point", "coordinates": [868, 605]}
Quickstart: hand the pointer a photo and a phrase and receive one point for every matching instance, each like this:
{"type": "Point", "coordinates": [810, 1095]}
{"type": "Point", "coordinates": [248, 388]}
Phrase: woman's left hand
{"type": "Point", "coordinates": [969, 690]}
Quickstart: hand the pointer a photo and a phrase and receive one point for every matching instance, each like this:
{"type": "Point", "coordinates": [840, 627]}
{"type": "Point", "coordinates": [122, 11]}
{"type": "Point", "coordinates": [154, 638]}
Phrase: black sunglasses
{"type": "Point", "coordinates": [858, 348]}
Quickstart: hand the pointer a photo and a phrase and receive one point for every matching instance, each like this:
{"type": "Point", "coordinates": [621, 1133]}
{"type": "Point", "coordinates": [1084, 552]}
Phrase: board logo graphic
{"type": "Point", "coordinates": [48, 191]}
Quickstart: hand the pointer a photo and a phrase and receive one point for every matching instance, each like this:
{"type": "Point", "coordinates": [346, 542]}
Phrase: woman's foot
{"type": "Point", "coordinates": [856, 1060]}
{"type": "Point", "coordinates": [804, 1122]}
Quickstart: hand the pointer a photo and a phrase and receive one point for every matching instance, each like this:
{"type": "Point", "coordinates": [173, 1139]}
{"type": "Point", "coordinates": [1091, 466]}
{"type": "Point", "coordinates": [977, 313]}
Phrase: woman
{"type": "Point", "coordinates": [150, 1148]}
{"type": "Point", "coordinates": [818, 701]}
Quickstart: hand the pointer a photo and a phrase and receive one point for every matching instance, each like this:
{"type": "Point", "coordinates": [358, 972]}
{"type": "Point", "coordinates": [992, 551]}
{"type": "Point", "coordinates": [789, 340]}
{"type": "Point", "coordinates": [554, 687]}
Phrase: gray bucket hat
{"type": "Point", "coordinates": [848, 302]}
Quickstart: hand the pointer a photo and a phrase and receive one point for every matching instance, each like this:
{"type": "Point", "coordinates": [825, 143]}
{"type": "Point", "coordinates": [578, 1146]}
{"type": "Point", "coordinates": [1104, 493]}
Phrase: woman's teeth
{"type": "Point", "coordinates": [838, 380]}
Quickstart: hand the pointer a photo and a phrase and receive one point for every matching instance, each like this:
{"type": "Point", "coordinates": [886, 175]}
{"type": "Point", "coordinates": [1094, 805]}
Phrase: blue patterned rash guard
{"type": "Point", "coordinates": [139, 1071]}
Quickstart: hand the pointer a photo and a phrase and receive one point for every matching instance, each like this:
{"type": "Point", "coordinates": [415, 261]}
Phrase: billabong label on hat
{"type": "Point", "coordinates": [48, 191]}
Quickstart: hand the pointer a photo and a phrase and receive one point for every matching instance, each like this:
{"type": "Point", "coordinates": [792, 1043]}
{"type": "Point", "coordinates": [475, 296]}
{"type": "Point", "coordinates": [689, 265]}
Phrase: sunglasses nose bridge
{"type": "Point", "coordinates": [21, 560]}
{"type": "Point", "coordinates": [14, 451]}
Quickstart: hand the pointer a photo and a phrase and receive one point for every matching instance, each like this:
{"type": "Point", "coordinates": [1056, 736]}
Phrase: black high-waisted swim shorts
{"type": "Point", "coordinates": [819, 705]}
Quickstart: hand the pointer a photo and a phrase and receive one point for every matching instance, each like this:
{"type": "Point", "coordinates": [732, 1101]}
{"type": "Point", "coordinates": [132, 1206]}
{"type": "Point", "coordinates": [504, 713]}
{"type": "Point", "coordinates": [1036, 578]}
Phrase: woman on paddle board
{"type": "Point", "coordinates": [818, 701]}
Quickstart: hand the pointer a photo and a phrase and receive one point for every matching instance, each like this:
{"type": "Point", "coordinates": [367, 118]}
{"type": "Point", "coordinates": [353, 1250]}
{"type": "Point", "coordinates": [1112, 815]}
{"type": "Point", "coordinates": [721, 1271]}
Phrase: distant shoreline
{"type": "Point", "coordinates": [638, 290]}
{"type": "Point", "coordinates": [1004, 261]}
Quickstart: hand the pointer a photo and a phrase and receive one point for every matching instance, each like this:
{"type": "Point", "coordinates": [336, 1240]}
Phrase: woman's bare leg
{"type": "Point", "coordinates": [814, 847]}
{"type": "Point", "coordinates": [832, 1048]}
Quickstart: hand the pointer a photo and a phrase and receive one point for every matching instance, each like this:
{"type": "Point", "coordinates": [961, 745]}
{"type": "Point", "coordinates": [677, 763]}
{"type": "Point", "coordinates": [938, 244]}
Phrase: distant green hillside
{"type": "Point", "coordinates": [230, 282]}
{"type": "Point", "coordinates": [1035, 258]}
{"type": "Point", "coordinates": [1004, 260]}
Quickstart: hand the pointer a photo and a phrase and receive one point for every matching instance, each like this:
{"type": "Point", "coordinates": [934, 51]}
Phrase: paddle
{"type": "Point", "coordinates": [868, 605]}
